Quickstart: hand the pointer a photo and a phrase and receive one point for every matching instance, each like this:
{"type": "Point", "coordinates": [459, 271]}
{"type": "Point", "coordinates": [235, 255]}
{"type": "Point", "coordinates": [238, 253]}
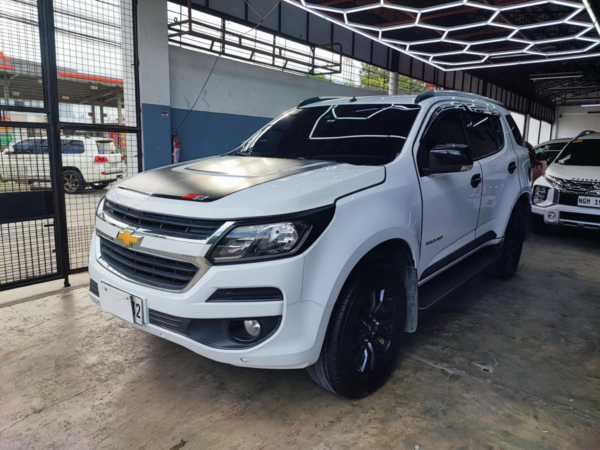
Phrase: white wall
{"type": "Point", "coordinates": [571, 120]}
{"type": "Point", "coordinates": [239, 88]}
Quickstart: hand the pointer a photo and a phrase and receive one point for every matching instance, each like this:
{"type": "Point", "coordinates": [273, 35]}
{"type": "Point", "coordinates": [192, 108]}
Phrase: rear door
{"type": "Point", "coordinates": [450, 200]}
{"type": "Point", "coordinates": [491, 146]}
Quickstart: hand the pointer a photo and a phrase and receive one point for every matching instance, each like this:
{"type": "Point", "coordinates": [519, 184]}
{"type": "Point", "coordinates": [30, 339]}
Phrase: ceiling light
{"type": "Point", "coordinates": [555, 76]}
{"type": "Point", "coordinates": [412, 48]}
{"type": "Point", "coordinates": [590, 106]}
{"type": "Point", "coordinates": [574, 88]}
{"type": "Point", "coordinates": [590, 11]}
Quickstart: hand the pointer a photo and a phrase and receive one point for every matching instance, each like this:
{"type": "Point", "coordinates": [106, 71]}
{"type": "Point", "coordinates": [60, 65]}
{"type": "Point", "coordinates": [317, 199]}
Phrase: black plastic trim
{"type": "Point", "coordinates": [436, 267]}
{"type": "Point", "coordinates": [94, 288]}
{"type": "Point", "coordinates": [580, 217]}
{"type": "Point", "coordinates": [213, 333]}
{"type": "Point", "coordinates": [258, 294]}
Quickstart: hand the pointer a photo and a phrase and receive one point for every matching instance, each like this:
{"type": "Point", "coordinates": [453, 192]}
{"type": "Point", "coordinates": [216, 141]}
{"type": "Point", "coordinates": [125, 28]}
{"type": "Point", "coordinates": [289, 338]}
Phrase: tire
{"type": "Point", "coordinates": [99, 186]}
{"type": "Point", "coordinates": [73, 182]}
{"type": "Point", "coordinates": [511, 247]}
{"type": "Point", "coordinates": [364, 334]}
{"type": "Point", "coordinates": [537, 225]}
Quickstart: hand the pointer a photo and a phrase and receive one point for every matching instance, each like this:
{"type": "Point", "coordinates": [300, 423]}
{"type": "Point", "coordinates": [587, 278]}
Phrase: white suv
{"type": "Point", "coordinates": [569, 192]}
{"type": "Point", "coordinates": [320, 239]}
{"type": "Point", "coordinates": [87, 161]}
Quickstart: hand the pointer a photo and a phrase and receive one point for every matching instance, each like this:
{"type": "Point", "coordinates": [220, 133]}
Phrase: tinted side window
{"type": "Point", "coordinates": [486, 134]}
{"type": "Point", "coordinates": [514, 129]}
{"type": "Point", "coordinates": [446, 129]}
{"type": "Point", "coordinates": [31, 146]}
{"type": "Point", "coordinates": [71, 147]}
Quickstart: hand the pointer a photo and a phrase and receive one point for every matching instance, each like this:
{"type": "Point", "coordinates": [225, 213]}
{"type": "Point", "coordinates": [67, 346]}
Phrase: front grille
{"type": "Point", "coordinates": [577, 217]}
{"type": "Point", "coordinates": [178, 226]}
{"type": "Point", "coordinates": [568, 198]}
{"type": "Point", "coordinates": [147, 269]}
{"type": "Point", "coordinates": [94, 288]}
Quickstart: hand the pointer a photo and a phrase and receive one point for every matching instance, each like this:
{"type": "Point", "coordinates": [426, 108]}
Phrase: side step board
{"type": "Point", "coordinates": [437, 288]}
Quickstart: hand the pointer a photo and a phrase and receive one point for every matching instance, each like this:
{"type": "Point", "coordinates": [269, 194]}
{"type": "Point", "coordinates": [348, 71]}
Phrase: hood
{"type": "Point", "coordinates": [230, 187]}
{"type": "Point", "coordinates": [576, 173]}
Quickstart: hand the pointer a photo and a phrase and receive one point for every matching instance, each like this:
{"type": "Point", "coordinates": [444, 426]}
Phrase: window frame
{"type": "Point", "coordinates": [506, 116]}
{"type": "Point", "coordinates": [472, 144]}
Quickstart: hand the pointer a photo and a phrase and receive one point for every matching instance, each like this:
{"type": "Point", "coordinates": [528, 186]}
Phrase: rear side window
{"type": "Point", "coordinates": [71, 147]}
{"type": "Point", "coordinates": [486, 134]}
{"type": "Point", "coordinates": [106, 147]}
{"type": "Point", "coordinates": [514, 129]}
{"type": "Point", "coordinates": [31, 146]}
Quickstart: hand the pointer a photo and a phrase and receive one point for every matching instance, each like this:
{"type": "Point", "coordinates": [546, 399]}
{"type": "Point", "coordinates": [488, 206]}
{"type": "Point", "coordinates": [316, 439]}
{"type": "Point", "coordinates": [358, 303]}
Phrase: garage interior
{"type": "Point", "coordinates": [500, 364]}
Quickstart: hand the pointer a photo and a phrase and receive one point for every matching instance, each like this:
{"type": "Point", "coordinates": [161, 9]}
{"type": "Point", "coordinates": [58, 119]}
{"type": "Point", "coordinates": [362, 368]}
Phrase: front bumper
{"type": "Point", "coordinates": [294, 344]}
{"type": "Point", "coordinates": [568, 216]}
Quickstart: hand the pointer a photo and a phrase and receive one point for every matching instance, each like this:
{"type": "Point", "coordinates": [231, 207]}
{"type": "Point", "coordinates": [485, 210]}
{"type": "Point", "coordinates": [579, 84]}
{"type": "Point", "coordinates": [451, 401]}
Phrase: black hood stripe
{"type": "Point", "coordinates": [212, 181]}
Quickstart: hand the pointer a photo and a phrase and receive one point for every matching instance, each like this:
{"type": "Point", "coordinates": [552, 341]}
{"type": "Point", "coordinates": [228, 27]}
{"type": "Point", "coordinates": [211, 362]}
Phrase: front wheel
{"type": "Point", "coordinates": [511, 247]}
{"type": "Point", "coordinates": [365, 332]}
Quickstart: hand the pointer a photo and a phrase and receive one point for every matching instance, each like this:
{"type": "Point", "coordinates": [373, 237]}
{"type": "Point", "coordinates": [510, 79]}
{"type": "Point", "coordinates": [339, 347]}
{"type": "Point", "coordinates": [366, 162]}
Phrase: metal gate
{"type": "Point", "coordinates": [69, 129]}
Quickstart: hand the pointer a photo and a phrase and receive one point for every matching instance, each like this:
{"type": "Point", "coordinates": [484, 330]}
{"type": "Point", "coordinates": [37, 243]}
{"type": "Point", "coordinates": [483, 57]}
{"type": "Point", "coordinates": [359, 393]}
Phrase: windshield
{"type": "Point", "coordinates": [550, 147]}
{"type": "Point", "coordinates": [581, 152]}
{"type": "Point", "coordinates": [106, 147]}
{"type": "Point", "coordinates": [364, 134]}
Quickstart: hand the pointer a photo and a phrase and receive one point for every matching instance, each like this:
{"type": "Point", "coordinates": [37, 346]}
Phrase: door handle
{"type": "Point", "coordinates": [476, 180]}
{"type": "Point", "coordinates": [512, 167]}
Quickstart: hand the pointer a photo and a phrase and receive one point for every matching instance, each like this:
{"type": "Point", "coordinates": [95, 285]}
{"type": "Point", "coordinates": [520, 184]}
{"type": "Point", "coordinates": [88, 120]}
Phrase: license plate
{"type": "Point", "coordinates": [121, 304]}
{"type": "Point", "coordinates": [590, 202]}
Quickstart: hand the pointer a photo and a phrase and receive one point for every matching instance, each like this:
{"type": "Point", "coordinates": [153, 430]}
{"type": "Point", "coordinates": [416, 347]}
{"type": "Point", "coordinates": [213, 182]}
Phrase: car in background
{"type": "Point", "coordinates": [547, 151]}
{"type": "Point", "coordinates": [569, 192]}
{"type": "Point", "coordinates": [87, 161]}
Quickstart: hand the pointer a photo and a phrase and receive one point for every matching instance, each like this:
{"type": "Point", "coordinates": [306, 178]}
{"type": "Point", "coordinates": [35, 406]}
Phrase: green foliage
{"type": "Point", "coordinates": [376, 78]}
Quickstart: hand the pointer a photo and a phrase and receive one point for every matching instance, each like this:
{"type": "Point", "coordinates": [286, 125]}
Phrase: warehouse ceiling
{"type": "Point", "coordinates": [507, 40]}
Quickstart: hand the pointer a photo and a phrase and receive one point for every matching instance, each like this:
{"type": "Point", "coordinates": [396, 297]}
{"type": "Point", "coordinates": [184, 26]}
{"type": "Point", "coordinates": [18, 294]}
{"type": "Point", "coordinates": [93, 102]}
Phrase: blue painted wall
{"type": "Point", "coordinates": [207, 133]}
{"type": "Point", "coordinates": [156, 136]}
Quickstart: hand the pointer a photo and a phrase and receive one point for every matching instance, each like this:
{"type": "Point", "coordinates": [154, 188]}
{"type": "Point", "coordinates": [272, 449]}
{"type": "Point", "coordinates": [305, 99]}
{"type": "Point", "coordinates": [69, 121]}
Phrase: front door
{"type": "Point", "coordinates": [450, 200]}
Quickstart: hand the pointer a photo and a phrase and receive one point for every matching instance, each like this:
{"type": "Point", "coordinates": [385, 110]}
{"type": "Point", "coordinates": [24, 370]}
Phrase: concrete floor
{"type": "Point", "coordinates": [501, 365]}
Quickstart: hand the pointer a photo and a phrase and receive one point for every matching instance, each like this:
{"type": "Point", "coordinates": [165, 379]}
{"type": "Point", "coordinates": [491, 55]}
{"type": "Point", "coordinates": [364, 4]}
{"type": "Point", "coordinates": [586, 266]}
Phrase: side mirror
{"type": "Point", "coordinates": [448, 158]}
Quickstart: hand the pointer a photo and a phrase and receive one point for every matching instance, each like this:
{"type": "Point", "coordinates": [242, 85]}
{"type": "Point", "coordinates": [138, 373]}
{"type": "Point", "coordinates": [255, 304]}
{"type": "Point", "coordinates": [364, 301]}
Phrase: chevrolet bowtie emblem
{"type": "Point", "coordinates": [127, 238]}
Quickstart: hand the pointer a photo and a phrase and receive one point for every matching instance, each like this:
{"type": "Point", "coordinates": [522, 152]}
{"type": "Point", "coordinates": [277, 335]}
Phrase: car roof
{"type": "Point", "coordinates": [402, 99]}
{"type": "Point", "coordinates": [590, 136]}
{"type": "Point", "coordinates": [554, 141]}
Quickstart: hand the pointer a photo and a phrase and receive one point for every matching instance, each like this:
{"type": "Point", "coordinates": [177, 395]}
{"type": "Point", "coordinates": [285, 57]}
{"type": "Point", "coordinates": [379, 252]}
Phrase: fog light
{"type": "Point", "coordinates": [252, 327]}
{"type": "Point", "coordinates": [551, 216]}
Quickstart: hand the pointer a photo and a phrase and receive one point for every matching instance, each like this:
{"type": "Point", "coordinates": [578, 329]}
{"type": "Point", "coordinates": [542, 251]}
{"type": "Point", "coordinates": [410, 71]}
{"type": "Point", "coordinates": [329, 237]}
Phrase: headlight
{"type": "Point", "coordinates": [257, 241]}
{"type": "Point", "coordinates": [540, 194]}
{"type": "Point", "coordinates": [100, 209]}
{"type": "Point", "coordinates": [252, 240]}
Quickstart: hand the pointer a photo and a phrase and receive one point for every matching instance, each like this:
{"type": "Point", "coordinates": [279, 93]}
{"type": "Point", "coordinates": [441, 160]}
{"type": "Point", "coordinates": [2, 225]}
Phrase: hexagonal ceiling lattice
{"type": "Point", "coordinates": [470, 34]}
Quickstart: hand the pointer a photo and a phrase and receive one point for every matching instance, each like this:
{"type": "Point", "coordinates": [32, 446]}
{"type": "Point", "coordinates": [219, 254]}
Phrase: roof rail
{"type": "Point", "coordinates": [308, 101]}
{"type": "Point", "coordinates": [585, 133]}
{"type": "Point", "coordinates": [444, 93]}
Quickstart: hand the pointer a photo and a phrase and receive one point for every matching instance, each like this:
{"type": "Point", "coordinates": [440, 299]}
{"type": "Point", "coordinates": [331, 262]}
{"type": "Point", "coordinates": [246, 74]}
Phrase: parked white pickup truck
{"type": "Point", "coordinates": [319, 240]}
{"type": "Point", "coordinates": [86, 161]}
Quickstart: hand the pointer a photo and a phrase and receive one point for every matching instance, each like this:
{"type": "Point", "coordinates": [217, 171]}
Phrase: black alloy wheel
{"type": "Point", "coordinates": [365, 331]}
